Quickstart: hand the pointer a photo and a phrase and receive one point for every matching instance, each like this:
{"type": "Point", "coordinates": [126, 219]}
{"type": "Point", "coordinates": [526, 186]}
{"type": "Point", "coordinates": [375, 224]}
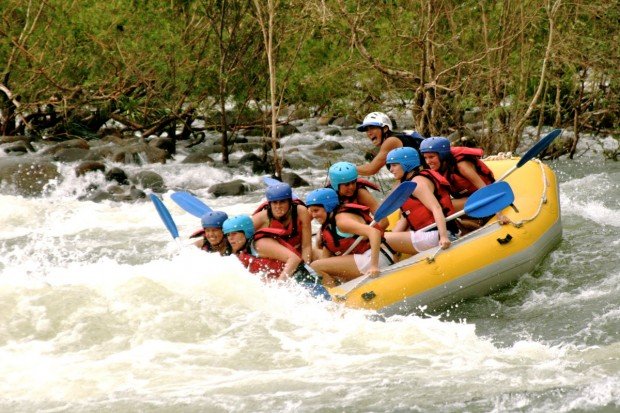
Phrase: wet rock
{"type": "Point", "coordinates": [28, 177]}
{"type": "Point", "coordinates": [20, 142]}
{"type": "Point", "coordinates": [15, 148]}
{"type": "Point", "coordinates": [150, 180]}
{"type": "Point", "coordinates": [287, 129]}
{"type": "Point", "coordinates": [165, 144]}
{"type": "Point", "coordinates": [139, 153]}
{"type": "Point", "coordinates": [232, 188]}
{"type": "Point", "coordinates": [345, 122]}
{"type": "Point", "coordinates": [332, 132]}
{"type": "Point", "coordinates": [117, 175]}
{"type": "Point", "coordinates": [70, 154]}
{"type": "Point", "coordinates": [98, 196]}
{"type": "Point", "coordinates": [200, 155]}
{"type": "Point", "coordinates": [73, 143]}
{"type": "Point", "coordinates": [325, 120]}
{"type": "Point", "coordinates": [293, 179]}
{"type": "Point", "coordinates": [89, 166]}
{"type": "Point", "coordinates": [329, 146]}
{"type": "Point", "coordinates": [249, 157]}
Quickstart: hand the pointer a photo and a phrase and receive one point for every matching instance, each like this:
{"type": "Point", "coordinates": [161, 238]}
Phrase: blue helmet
{"type": "Point", "coordinates": [341, 173]}
{"type": "Point", "coordinates": [325, 197]}
{"type": "Point", "coordinates": [241, 223]}
{"type": "Point", "coordinates": [437, 144]}
{"type": "Point", "coordinates": [407, 157]}
{"type": "Point", "coordinates": [279, 192]}
{"type": "Point", "coordinates": [213, 219]}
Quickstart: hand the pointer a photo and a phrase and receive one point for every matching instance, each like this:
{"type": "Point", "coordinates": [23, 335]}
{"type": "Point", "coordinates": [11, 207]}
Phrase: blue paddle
{"type": "Point", "coordinates": [391, 203]}
{"type": "Point", "coordinates": [535, 150]}
{"type": "Point", "coordinates": [165, 216]}
{"type": "Point", "coordinates": [269, 181]}
{"type": "Point", "coordinates": [190, 203]}
{"type": "Point", "coordinates": [486, 201]}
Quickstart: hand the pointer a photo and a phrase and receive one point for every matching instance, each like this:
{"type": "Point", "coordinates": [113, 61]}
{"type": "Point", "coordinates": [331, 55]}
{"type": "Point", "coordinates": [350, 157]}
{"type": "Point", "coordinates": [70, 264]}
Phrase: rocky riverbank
{"type": "Point", "coordinates": [28, 166]}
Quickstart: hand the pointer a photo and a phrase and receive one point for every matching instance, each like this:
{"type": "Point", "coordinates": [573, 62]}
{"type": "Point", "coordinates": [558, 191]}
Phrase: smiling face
{"type": "Point", "coordinates": [280, 208]}
{"type": "Point", "coordinates": [236, 240]}
{"type": "Point", "coordinates": [374, 134]}
{"type": "Point", "coordinates": [397, 170]}
{"type": "Point", "coordinates": [432, 160]}
{"type": "Point", "coordinates": [318, 212]}
{"type": "Point", "coordinates": [214, 235]}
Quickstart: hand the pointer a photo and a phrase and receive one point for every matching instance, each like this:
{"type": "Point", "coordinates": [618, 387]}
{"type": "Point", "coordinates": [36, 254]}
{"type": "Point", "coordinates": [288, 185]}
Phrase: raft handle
{"type": "Point", "coordinates": [505, 240]}
{"type": "Point", "coordinates": [369, 295]}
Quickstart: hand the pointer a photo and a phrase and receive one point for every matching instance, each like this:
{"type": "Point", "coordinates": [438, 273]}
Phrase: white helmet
{"type": "Point", "coordinates": [375, 119]}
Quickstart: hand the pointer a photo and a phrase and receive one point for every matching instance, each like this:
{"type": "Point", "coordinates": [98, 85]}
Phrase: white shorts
{"type": "Point", "coordinates": [423, 241]}
{"type": "Point", "coordinates": [363, 261]}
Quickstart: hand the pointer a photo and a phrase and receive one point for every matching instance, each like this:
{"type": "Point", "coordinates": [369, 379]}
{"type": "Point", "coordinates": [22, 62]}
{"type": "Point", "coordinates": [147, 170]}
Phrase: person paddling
{"type": "Point", "coordinates": [282, 212]}
{"type": "Point", "coordinates": [379, 129]}
{"type": "Point", "coordinates": [263, 251]}
{"type": "Point", "coordinates": [465, 172]}
{"type": "Point", "coordinates": [340, 226]}
{"type": "Point", "coordinates": [212, 238]}
{"type": "Point", "coordinates": [429, 203]}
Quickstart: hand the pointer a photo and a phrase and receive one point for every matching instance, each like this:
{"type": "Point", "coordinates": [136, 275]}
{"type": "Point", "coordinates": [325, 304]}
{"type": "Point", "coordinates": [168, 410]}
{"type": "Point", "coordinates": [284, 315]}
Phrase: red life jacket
{"type": "Point", "coordinates": [461, 186]}
{"type": "Point", "coordinates": [271, 267]}
{"type": "Point", "coordinates": [336, 244]}
{"type": "Point", "coordinates": [293, 231]}
{"type": "Point", "coordinates": [414, 210]}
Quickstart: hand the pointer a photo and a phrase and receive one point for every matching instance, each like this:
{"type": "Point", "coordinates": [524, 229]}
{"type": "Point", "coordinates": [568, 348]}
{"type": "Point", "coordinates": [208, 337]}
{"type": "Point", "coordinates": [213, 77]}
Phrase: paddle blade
{"type": "Point", "coordinates": [540, 146]}
{"type": "Point", "coordinates": [269, 181]}
{"type": "Point", "coordinates": [165, 216]}
{"type": "Point", "coordinates": [489, 200]}
{"type": "Point", "coordinates": [190, 203]}
{"type": "Point", "coordinates": [394, 200]}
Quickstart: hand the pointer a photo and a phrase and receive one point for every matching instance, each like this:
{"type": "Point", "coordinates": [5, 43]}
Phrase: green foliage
{"type": "Point", "coordinates": [147, 59]}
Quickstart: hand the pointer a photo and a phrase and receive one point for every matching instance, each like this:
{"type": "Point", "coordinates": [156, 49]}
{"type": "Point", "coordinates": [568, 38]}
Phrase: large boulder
{"type": "Point", "coordinates": [139, 153]}
{"type": "Point", "coordinates": [150, 180]}
{"type": "Point", "coordinates": [73, 143]}
{"type": "Point", "coordinates": [236, 187]}
{"type": "Point", "coordinates": [200, 155]}
{"type": "Point", "coordinates": [28, 177]}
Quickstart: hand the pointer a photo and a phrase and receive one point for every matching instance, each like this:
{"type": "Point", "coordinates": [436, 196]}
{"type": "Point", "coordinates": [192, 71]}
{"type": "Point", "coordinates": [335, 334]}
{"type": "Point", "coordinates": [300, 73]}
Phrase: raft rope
{"type": "Point", "coordinates": [519, 224]}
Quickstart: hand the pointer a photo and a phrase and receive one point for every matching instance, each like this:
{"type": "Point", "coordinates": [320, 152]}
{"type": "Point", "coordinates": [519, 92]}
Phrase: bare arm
{"type": "Point", "coordinates": [378, 161]}
{"type": "Point", "coordinates": [468, 171]}
{"type": "Point", "coordinates": [424, 192]}
{"type": "Point", "coordinates": [354, 224]}
{"type": "Point", "coordinates": [260, 219]}
{"type": "Point", "coordinates": [306, 233]}
{"type": "Point", "coordinates": [270, 248]}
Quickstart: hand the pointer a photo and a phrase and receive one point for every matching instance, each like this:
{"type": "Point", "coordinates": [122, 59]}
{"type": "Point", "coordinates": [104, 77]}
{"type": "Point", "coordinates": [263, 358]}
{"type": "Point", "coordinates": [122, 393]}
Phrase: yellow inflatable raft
{"type": "Point", "coordinates": [476, 264]}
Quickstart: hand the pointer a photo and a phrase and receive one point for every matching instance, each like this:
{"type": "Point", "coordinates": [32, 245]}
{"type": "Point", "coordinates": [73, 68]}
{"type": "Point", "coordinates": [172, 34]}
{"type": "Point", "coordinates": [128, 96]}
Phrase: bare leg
{"type": "Point", "coordinates": [339, 267]}
{"type": "Point", "coordinates": [401, 242]}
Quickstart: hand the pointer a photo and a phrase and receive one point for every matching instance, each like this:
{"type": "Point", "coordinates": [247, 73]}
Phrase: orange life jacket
{"type": "Point", "coordinates": [461, 186]}
{"type": "Point", "coordinates": [417, 215]}
{"type": "Point", "coordinates": [293, 231]}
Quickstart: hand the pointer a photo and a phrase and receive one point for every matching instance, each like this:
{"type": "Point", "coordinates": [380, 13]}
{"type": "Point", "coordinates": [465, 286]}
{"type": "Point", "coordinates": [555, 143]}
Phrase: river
{"type": "Point", "coordinates": [101, 311]}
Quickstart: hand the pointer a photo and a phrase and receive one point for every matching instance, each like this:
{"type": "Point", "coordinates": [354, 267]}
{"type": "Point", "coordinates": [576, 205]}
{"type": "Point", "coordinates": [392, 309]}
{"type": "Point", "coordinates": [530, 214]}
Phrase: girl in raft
{"type": "Point", "coordinates": [286, 217]}
{"type": "Point", "coordinates": [344, 179]}
{"type": "Point", "coordinates": [429, 203]}
{"type": "Point", "coordinates": [465, 172]}
{"type": "Point", "coordinates": [340, 226]}
{"type": "Point", "coordinates": [212, 238]}
{"type": "Point", "coordinates": [262, 251]}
